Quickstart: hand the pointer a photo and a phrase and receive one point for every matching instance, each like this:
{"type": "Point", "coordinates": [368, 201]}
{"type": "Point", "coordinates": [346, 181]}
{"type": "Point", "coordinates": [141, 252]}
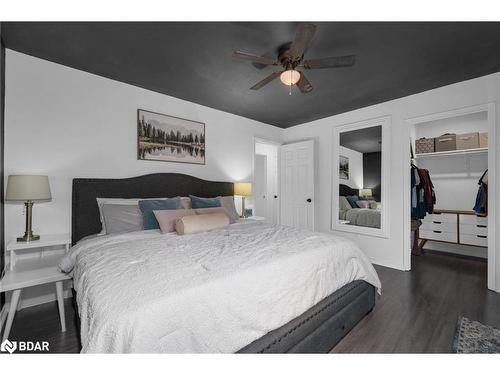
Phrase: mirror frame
{"type": "Point", "coordinates": [385, 180]}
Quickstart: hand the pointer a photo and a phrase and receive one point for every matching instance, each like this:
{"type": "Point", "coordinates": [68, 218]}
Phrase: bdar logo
{"type": "Point", "coordinates": [8, 346]}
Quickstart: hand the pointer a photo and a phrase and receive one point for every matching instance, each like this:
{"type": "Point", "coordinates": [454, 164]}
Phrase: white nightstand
{"type": "Point", "coordinates": [32, 271]}
{"type": "Point", "coordinates": [258, 218]}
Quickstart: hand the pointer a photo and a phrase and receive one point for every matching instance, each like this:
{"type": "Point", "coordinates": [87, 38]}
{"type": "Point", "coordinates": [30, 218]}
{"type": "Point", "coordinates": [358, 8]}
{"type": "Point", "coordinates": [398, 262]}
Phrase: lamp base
{"type": "Point", "coordinates": [28, 237]}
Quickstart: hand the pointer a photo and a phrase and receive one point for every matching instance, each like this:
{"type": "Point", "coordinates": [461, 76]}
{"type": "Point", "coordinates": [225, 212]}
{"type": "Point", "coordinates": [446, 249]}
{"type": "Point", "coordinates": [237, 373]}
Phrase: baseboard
{"type": "Point", "coordinates": [37, 300]}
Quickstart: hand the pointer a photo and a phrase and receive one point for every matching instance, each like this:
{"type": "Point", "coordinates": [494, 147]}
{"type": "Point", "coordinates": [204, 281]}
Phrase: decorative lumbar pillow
{"type": "Point", "coordinates": [363, 204]}
{"type": "Point", "coordinates": [228, 203]}
{"type": "Point", "coordinates": [198, 202]}
{"type": "Point", "coordinates": [373, 205]}
{"type": "Point", "coordinates": [120, 201]}
{"type": "Point", "coordinates": [201, 223]}
{"type": "Point", "coordinates": [148, 206]}
{"type": "Point", "coordinates": [167, 218]}
{"type": "Point", "coordinates": [215, 210]}
{"type": "Point", "coordinates": [121, 218]}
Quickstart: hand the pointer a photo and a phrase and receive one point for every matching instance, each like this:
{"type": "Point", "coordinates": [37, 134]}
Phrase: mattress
{"type": "Point", "coordinates": [213, 292]}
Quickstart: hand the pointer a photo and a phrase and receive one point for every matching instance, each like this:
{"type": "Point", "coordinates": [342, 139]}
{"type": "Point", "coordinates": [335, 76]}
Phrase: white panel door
{"type": "Point", "coordinates": [297, 185]}
{"type": "Point", "coordinates": [260, 186]}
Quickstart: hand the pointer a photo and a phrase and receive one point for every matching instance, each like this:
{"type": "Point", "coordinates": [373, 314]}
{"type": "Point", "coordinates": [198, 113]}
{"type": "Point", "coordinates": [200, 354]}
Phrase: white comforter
{"type": "Point", "coordinates": [209, 292]}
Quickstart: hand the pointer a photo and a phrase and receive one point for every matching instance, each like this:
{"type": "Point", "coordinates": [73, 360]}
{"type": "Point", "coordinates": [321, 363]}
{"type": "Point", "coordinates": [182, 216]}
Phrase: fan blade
{"type": "Point", "coordinates": [303, 36]}
{"type": "Point", "coordinates": [255, 58]}
{"type": "Point", "coordinates": [330, 62]}
{"type": "Point", "coordinates": [303, 84]}
{"type": "Point", "coordinates": [265, 81]}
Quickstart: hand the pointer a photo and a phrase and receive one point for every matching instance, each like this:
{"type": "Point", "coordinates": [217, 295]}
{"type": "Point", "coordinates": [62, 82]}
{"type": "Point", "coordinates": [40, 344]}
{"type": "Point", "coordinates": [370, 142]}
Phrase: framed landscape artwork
{"type": "Point", "coordinates": [167, 138]}
{"type": "Point", "coordinates": [343, 168]}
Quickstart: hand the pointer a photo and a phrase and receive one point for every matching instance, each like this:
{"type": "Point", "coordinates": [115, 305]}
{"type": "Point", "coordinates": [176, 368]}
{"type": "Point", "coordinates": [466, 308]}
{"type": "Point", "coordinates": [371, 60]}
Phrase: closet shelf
{"type": "Point", "coordinates": [454, 152]}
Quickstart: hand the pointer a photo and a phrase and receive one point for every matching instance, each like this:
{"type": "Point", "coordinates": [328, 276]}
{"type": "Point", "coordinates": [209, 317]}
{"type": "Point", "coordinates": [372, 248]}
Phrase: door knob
{"type": "Point", "coordinates": [309, 200]}
{"type": "Point", "coordinates": [275, 196]}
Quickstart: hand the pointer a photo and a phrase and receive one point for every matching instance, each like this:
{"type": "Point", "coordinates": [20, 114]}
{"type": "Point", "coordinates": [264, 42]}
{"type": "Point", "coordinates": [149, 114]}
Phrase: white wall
{"type": "Point", "coordinates": [390, 251]}
{"type": "Point", "coordinates": [66, 123]}
{"type": "Point", "coordinates": [355, 168]}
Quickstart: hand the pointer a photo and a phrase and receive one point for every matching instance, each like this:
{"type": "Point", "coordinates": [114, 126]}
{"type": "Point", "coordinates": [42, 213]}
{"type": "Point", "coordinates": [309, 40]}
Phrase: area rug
{"type": "Point", "coordinates": [475, 337]}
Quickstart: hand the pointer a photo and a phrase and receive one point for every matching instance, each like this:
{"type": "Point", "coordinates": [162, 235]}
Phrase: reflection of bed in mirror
{"type": "Point", "coordinates": [363, 217]}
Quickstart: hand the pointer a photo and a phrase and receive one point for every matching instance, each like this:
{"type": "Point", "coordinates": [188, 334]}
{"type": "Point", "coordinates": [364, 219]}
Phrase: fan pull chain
{"type": "Point", "coordinates": [290, 87]}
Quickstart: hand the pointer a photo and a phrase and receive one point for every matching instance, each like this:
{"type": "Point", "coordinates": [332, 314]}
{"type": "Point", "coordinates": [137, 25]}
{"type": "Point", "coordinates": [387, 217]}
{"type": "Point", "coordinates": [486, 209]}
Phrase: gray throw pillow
{"type": "Point", "coordinates": [228, 203]}
{"type": "Point", "coordinates": [121, 218]}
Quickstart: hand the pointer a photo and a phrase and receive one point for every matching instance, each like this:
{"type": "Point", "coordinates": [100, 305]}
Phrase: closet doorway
{"type": "Point", "coordinates": [265, 182]}
{"type": "Point", "coordinates": [451, 166]}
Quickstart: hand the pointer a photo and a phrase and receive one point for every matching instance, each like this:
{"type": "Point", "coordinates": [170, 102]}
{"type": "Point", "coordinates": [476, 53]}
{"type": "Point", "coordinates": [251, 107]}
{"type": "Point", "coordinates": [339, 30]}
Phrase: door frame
{"type": "Point", "coordinates": [256, 140]}
{"type": "Point", "coordinates": [489, 108]}
{"type": "Point", "coordinates": [385, 178]}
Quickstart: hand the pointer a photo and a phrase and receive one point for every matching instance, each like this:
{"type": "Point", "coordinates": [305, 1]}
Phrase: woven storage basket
{"type": "Point", "coordinates": [424, 145]}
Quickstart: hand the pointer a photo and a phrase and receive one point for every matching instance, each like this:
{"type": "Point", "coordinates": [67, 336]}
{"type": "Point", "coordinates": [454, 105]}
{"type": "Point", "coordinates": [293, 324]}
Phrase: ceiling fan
{"type": "Point", "coordinates": [291, 57]}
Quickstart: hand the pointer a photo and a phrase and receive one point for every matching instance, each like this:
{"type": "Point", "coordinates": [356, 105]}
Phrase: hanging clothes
{"type": "Point", "coordinates": [423, 197]}
{"type": "Point", "coordinates": [481, 205]}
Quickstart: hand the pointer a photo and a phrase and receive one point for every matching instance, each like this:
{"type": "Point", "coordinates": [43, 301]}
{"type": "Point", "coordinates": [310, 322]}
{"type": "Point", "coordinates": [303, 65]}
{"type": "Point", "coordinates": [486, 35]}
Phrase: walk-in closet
{"type": "Point", "coordinates": [449, 185]}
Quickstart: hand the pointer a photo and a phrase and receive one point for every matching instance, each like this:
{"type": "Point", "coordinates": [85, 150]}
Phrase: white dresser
{"type": "Point", "coordinates": [455, 226]}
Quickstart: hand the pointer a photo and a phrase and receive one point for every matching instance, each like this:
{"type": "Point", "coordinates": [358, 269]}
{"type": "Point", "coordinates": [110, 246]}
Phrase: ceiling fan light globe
{"type": "Point", "coordinates": [290, 77]}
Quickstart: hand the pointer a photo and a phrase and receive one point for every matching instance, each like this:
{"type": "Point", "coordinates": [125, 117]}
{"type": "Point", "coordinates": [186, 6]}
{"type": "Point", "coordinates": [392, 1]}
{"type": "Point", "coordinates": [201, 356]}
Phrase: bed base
{"type": "Point", "coordinates": [317, 330]}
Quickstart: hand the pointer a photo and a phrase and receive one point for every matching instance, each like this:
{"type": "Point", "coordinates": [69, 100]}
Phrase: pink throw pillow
{"type": "Point", "coordinates": [363, 204]}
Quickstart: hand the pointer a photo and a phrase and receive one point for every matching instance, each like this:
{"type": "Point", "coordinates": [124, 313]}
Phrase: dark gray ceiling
{"type": "Point", "coordinates": [193, 61]}
{"type": "Point", "coordinates": [363, 140]}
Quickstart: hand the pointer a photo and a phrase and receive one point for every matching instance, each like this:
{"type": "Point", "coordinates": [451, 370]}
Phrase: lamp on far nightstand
{"type": "Point", "coordinates": [243, 189]}
{"type": "Point", "coordinates": [365, 192]}
{"type": "Point", "coordinates": [30, 189]}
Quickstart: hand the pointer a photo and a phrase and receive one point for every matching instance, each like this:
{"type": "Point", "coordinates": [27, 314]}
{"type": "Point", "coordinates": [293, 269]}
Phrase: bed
{"type": "Point", "coordinates": [363, 217]}
{"type": "Point", "coordinates": [248, 288]}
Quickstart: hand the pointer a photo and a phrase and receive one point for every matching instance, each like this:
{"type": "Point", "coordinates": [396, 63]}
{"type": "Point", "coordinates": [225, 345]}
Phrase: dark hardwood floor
{"type": "Point", "coordinates": [416, 313]}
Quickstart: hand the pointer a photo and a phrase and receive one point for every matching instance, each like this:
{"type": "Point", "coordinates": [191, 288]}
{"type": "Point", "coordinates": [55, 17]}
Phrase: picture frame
{"type": "Point", "coordinates": [161, 137]}
{"type": "Point", "coordinates": [343, 167]}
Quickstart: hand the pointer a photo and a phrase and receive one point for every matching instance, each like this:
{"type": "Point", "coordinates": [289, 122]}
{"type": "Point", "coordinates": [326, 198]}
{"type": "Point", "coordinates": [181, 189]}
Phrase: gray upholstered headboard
{"type": "Point", "coordinates": [85, 213]}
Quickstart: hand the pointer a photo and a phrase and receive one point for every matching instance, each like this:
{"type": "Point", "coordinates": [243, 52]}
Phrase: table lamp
{"type": "Point", "coordinates": [243, 189]}
{"type": "Point", "coordinates": [30, 189]}
{"type": "Point", "coordinates": [365, 192]}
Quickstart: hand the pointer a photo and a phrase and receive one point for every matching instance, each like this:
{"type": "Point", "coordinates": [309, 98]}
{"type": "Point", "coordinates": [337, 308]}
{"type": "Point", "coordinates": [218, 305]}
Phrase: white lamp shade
{"type": "Point", "coordinates": [28, 187]}
{"type": "Point", "coordinates": [243, 189]}
{"type": "Point", "coordinates": [365, 192]}
{"type": "Point", "coordinates": [290, 77]}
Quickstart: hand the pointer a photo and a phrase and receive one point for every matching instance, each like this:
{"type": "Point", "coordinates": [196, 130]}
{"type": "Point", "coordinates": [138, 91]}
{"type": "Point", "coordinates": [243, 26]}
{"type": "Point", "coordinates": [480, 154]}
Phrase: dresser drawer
{"type": "Point", "coordinates": [438, 235]}
{"type": "Point", "coordinates": [443, 218]}
{"type": "Point", "coordinates": [473, 219]}
{"type": "Point", "coordinates": [476, 240]}
{"type": "Point", "coordinates": [439, 226]}
{"type": "Point", "coordinates": [477, 229]}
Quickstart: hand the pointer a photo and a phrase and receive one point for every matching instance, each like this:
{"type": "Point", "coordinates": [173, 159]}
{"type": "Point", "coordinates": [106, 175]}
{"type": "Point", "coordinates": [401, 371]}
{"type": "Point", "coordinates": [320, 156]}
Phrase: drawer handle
{"type": "Point", "coordinates": [437, 222]}
{"type": "Point", "coordinates": [481, 226]}
{"type": "Point", "coordinates": [480, 236]}
{"type": "Point", "coordinates": [437, 231]}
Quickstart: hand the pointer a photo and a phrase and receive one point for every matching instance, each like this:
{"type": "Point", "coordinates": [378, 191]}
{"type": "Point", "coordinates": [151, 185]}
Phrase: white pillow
{"type": "Point", "coordinates": [344, 204]}
{"type": "Point", "coordinates": [117, 201]}
{"type": "Point", "coordinates": [228, 203]}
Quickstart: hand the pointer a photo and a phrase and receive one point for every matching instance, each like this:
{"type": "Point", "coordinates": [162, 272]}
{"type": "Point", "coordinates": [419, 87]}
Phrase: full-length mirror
{"type": "Point", "coordinates": [359, 202]}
